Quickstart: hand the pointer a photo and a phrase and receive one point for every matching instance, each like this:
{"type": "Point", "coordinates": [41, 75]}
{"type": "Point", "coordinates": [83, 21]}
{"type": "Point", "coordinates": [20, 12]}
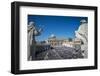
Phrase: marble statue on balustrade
{"type": "Point", "coordinates": [82, 34]}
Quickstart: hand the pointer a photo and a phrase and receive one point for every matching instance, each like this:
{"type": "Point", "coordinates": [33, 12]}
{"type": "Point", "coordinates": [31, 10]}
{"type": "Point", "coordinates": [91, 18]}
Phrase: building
{"type": "Point", "coordinates": [68, 43]}
{"type": "Point", "coordinates": [53, 41]}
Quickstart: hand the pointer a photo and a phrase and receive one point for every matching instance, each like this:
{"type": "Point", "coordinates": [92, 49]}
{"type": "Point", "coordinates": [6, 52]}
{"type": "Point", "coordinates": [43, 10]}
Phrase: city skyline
{"type": "Point", "coordinates": [60, 26]}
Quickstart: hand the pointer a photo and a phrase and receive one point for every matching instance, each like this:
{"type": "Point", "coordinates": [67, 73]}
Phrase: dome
{"type": "Point", "coordinates": [53, 36]}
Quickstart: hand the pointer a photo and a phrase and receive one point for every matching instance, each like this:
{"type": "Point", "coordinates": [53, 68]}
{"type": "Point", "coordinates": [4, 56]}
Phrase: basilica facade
{"type": "Point", "coordinates": [53, 41]}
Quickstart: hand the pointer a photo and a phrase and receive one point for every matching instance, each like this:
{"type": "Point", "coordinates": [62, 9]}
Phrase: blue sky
{"type": "Point", "coordinates": [60, 26]}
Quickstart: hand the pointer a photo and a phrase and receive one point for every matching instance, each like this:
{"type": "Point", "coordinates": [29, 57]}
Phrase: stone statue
{"type": "Point", "coordinates": [33, 31]}
{"type": "Point", "coordinates": [82, 34]}
{"type": "Point", "coordinates": [36, 31]}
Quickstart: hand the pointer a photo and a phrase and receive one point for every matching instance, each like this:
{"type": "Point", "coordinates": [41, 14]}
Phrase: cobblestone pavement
{"type": "Point", "coordinates": [59, 52]}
